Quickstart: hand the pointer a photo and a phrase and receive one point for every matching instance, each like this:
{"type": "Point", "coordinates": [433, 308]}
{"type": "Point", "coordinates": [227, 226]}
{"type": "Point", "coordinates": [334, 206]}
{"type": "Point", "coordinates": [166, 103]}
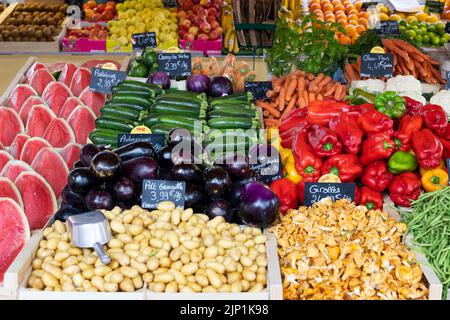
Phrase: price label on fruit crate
{"type": "Point", "coordinates": [170, 3]}
{"type": "Point", "coordinates": [317, 191]}
{"type": "Point", "coordinates": [156, 191]}
{"type": "Point", "coordinates": [141, 41]}
{"type": "Point", "coordinates": [388, 28]}
{"type": "Point", "coordinates": [435, 6]}
{"type": "Point", "coordinates": [104, 80]}
{"type": "Point", "coordinates": [175, 64]}
{"type": "Point", "coordinates": [269, 170]}
{"type": "Point", "coordinates": [157, 140]}
{"type": "Point", "coordinates": [258, 89]}
{"type": "Point", "coordinates": [375, 65]}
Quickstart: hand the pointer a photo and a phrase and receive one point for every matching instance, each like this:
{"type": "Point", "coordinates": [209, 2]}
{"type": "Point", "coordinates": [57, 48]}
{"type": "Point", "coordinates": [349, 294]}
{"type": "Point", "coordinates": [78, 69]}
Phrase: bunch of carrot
{"type": "Point", "coordinates": [297, 90]}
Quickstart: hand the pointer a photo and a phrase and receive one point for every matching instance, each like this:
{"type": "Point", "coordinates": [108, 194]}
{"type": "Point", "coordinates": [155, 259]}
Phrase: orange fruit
{"type": "Point", "coordinates": [344, 40]}
{"type": "Point", "coordinates": [364, 22]}
{"type": "Point", "coordinates": [327, 7]}
{"type": "Point", "coordinates": [340, 13]}
{"type": "Point", "coordinates": [335, 2]}
{"type": "Point", "coordinates": [331, 19]}
{"type": "Point", "coordinates": [358, 4]}
{"type": "Point", "coordinates": [352, 11]}
{"type": "Point", "coordinates": [314, 1]}
{"type": "Point", "coordinates": [363, 14]}
{"type": "Point", "coordinates": [360, 29]}
{"type": "Point", "coordinates": [353, 22]}
{"type": "Point", "coordinates": [314, 6]}
{"type": "Point", "coordinates": [339, 7]}
{"type": "Point", "coordinates": [343, 22]}
{"type": "Point", "coordinates": [352, 17]}
{"type": "Point", "coordinates": [350, 29]}
{"type": "Point", "coordinates": [317, 11]}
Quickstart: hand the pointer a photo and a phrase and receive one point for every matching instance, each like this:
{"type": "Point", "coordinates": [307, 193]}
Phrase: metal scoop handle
{"type": "Point", "coordinates": [104, 258]}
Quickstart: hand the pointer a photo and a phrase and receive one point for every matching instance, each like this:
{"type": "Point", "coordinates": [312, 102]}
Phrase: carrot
{"type": "Point", "coordinates": [265, 106]}
{"type": "Point", "coordinates": [417, 57]}
{"type": "Point", "coordinates": [351, 73]}
{"type": "Point", "coordinates": [291, 104]}
{"type": "Point", "coordinates": [322, 83]}
{"type": "Point", "coordinates": [276, 88]}
{"type": "Point", "coordinates": [265, 113]}
{"type": "Point", "coordinates": [286, 83]}
{"type": "Point", "coordinates": [331, 90]}
{"type": "Point", "coordinates": [319, 97]}
{"type": "Point", "coordinates": [306, 97]}
{"type": "Point", "coordinates": [302, 102]}
{"type": "Point", "coordinates": [436, 74]}
{"type": "Point", "coordinates": [300, 85]}
{"type": "Point", "coordinates": [291, 89]}
{"type": "Point", "coordinates": [310, 76]}
{"type": "Point", "coordinates": [313, 84]}
{"type": "Point", "coordinates": [344, 93]}
{"type": "Point", "coordinates": [270, 93]}
{"type": "Point", "coordinates": [312, 97]}
{"type": "Point", "coordinates": [338, 92]}
{"type": "Point", "coordinates": [403, 67]}
{"type": "Point", "coordinates": [269, 123]}
{"type": "Point", "coordinates": [282, 97]}
{"type": "Point", "coordinates": [392, 47]}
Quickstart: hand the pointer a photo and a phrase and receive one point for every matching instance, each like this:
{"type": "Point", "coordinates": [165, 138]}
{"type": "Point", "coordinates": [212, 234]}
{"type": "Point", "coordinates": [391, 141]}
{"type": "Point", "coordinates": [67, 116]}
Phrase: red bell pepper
{"type": "Point", "coordinates": [377, 176]}
{"type": "Point", "coordinates": [307, 163]}
{"type": "Point", "coordinates": [324, 141]}
{"type": "Point", "coordinates": [377, 147]}
{"type": "Point", "coordinates": [320, 112]}
{"type": "Point", "coordinates": [407, 126]}
{"type": "Point", "coordinates": [434, 118]}
{"type": "Point", "coordinates": [373, 122]}
{"type": "Point", "coordinates": [287, 137]}
{"type": "Point", "coordinates": [345, 166]}
{"type": "Point", "coordinates": [404, 188]}
{"type": "Point", "coordinates": [348, 131]}
{"type": "Point", "coordinates": [286, 191]}
{"type": "Point", "coordinates": [372, 199]}
{"type": "Point", "coordinates": [412, 106]}
{"type": "Point", "coordinates": [427, 148]}
{"type": "Point", "coordinates": [446, 148]}
{"type": "Point", "coordinates": [293, 119]}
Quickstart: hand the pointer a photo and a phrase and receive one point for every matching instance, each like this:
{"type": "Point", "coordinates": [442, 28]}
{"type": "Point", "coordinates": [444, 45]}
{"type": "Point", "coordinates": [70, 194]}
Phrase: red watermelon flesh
{"type": "Point", "coordinates": [17, 145]}
{"type": "Point", "coordinates": [56, 95]}
{"type": "Point", "coordinates": [94, 100]}
{"type": "Point", "coordinates": [5, 157]}
{"type": "Point", "coordinates": [69, 106]}
{"type": "Point", "coordinates": [15, 233]}
{"type": "Point", "coordinates": [40, 79]}
{"type": "Point", "coordinates": [52, 167]}
{"type": "Point", "coordinates": [31, 148]}
{"type": "Point", "coordinates": [38, 120]}
{"type": "Point", "coordinates": [9, 190]}
{"type": "Point", "coordinates": [19, 95]}
{"type": "Point", "coordinates": [30, 72]}
{"type": "Point", "coordinates": [66, 74]}
{"type": "Point", "coordinates": [80, 81]}
{"type": "Point", "coordinates": [38, 198]}
{"type": "Point", "coordinates": [27, 105]}
{"type": "Point", "coordinates": [82, 121]}
{"type": "Point", "coordinates": [71, 154]}
{"type": "Point", "coordinates": [10, 126]}
{"type": "Point", "coordinates": [59, 133]}
{"type": "Point", "coordinates": [14, 168]}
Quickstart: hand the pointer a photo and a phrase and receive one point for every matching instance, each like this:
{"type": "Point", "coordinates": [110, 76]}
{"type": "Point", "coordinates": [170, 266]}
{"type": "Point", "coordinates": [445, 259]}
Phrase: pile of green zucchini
{"type": "Point", "coordinates": [130, 100]}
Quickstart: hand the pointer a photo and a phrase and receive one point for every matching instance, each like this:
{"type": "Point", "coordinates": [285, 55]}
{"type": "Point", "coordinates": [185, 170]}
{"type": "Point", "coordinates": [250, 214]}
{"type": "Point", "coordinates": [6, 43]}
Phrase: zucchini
{"type": "Point", "coordinates": [233, 123]}
{"type": "Point", "coordinates": [239, 113]}
{"type": "Point", "coordinates": [184, 94]}
{"type": "Point", "coordinates": [248, 96]}
{"type": "Point", "coordinates": [162, 128]}
{"type": "Point", "coordinates": [133, 84]}
{"type": "Point", "coordinates": [132, 106]}
{"type": "Point", "coordinates": [232, 103]}
{"type": "Point", "coordinates": [112, 124]}
{"type": "Point", "coordinates": [226, 147]}
{"type": "Point", "coordinates": [141, 93]}
{"type": "Point", "coordinates": [175, 121]}
{"type": "Point", "coordinates": [104, 137]}
{"type": "Point", "coordinates": [120, 112]}
{"type": "Point", "coordinates": [179, 101]}
{"type": "Point", "coordinates": [223, 135]}
{"type": "Point", "coordinates": [163, 108]}
{"type": "Point", "coordinates": [132, 99]}
{"type": "Point", "coordinates": [121, 119]}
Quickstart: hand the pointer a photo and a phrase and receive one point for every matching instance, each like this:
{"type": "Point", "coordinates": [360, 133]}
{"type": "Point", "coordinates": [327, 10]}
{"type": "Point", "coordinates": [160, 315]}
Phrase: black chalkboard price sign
{"type": "Point", "coordinates": [104, 80]}
{"type": "Point", "coordinates": [175, 64]}
{"type": "Point", "coordinates": [374, 65]}
{"type": "Point", "coordinates": [156, 191]}
{"type": "Point", "coordinates": [314, 192]}
{"type": "Point", "coordinates": [140, 41]}
{"type": "Point", "coordinates": [258, 89]}
{"type": "Point", "coordinates": [388, 28]}
{"type": "Point", "coordinates": [268, 170]}
{"type": "Point", "coordinates": [157, 140]}
{"type": "Point", "coordinates": [170, 3]}
{"type": "Point", "coordinates": [435, 6]}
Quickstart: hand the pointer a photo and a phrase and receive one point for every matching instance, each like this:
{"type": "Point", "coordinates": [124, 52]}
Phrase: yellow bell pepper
{"type": "Point", "coordinates": [434, 180]}
{"type": "Point", "coordinates": [441, 166]}
{"type": "Point", "coordinates": [291, 173]}
{"type": "Point", "coordinates": [273, 137]}
{"type": "Point", "coordinates": [285, 155]}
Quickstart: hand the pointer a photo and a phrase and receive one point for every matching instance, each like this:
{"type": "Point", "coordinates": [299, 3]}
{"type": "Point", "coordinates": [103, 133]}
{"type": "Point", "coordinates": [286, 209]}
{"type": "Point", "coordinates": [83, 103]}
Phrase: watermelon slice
{"type": "Point", "coordinates": [56, 95]}
{"type": "Point", "coordinates": [15, 167]}
{"type": "Point", "coordinates": [9, 190]}
{"type": "Point", "coordinates": [5, 157]}
{"type": "Point", "coordinates": [94, 100]}
{"type": "Point", "coordinates": [27, 105]}
{"type": "Point", "coordinates": [17, 145]}
{"type": "Point", "coordinates": [71, 154]}
{"type": "Point", "coordinates": [40, 79]}
{"type": "Point", "coordinates": [82, 121]}
{"type": "Point", "coordinates": [38, 198]}
{"type": "Point", "coordinates": [66, 74]}
{"type": "Point", "coordinates": [33, 68]}
{"type": "Point", "coordinates": [31, 148]}
{"type": "Point", "coordinates": [15, 233]}
{"type": "Point", "coordinates": [39, 120]}
{"type": "Point", "coordinates": [69, 106]}
{"type": "Point", "coordinates": [59, 133]}
{"type": "Point", "coordinates": [19, 95]}
{"type": "Point", "coordinates": [80, 81]}
{"type": "Point", "coordinates": [10, 125]}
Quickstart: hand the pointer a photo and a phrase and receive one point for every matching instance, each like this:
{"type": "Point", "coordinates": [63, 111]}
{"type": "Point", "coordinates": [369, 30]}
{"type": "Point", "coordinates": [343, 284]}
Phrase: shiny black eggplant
{"type": "Point", "coordinates": [194, 196]}
{"type": "Point", "coordinates": [65, 212]}
{"type": "Point", "coordinates": [187, 172]}
{"type": "Point", "coordinates": [87, 153]}
{"type": "Point", "coordinates": [178, 135]}
{"type": "Point", "coordinates": [220, 208]}
{"type": "Point", "coordinates": [135, 150]}
{"type": "Point", "coordinates": [165, 157]}
{"type": "Point", "coordinates": [237, 166]}
{"type": "Point", "coordinates": [217, 182]}
{"type": "Point", "coordinates": [122, 189]}
{"type": "Point", "coordinates": [106, 164]}
{"type": "Point", "coordinates": [99, 199]}
{"type": "Point", "coordinates": [140, 168]}
{"type": "Point", "coordinates": [72, 198]}
{"type": "Point", "coordinates": [81, 180]}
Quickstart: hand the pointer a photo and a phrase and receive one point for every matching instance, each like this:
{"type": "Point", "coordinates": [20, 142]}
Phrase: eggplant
{"type": "Point", "coordinates": [106, 164]}
{"type": "Point", "coordinates": [187, 172]}
{"type": "Point", "coordinates": [99, 199]}
{"type": "Point", "coordinates": [165, 174]}
{"type": "Point", "coordinates": [178, 135]}
{"type": "Point", "coordinates": [236, 165]}
{"type": "Point", "coordinates": [235, 192]}
{"type": "Point", "coordinates": [72, 198]}
{"type": "Point", "coordinates": [122, 189]}
{"type": "Point", "coordinates": [220, 208]}
{"type": "Point", "coordinates": [217, 182]}
{"type": "Point", "coordinates": [135, 150]}
{"type": "Point", "coordinates": [87, 153]}
{"type": "Point", "coordinates": [194, 196]}
{"type": "Point", "coordinates": [79, 164]}
{"type": "Point", "coordinates": [165, 157]}
{"type": "Point", "coordinates": [65, 212]}
{"type": "Point", "coordinates": [81, 180]}
{"type": "Point", "coordinates": [140, 168]}
{"type": "Point", "coordinates": [182, 156]}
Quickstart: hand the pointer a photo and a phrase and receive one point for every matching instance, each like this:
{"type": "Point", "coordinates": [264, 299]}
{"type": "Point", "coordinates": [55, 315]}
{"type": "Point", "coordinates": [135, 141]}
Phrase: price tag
{"type": "Point", "coordinates": [269, 170]}
{"type": "Point", "coordinates": [141, 41]}
{"type": "Point", "coordinates": [388, 28]}
{"type": "Point", "coordinates": [175, 64]}
{"type": "Point", "coordinates": [258, 89]}
{"type": "Point", "coordinates": [316, 191]}
{"type": "Point", "coordinates": [170, 3]}
{"type": "Point", "coordinates": [157, 140]}
{"type": "Point", "coordinates": [435, 6]}
{"type": "Point", "coordinates": [156, 191]}
{"type": "Point", "coordinates": [104, 80]}
{"type": "Point", "coordinates": [375, 65]}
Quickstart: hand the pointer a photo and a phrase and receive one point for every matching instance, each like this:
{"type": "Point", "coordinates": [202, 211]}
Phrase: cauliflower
{"type": "Point", "coordinates": [370, 85]}
{"type": "Point", "coordinates": [415, 96]}
{"type": "Point", "coordinates": [442, 99]}
{"type": "Point", "coordinates": [402, 84]}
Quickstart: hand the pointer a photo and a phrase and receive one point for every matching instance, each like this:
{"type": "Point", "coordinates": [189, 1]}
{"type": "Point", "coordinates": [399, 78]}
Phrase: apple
{"type": "Point", "coordinates": [111, 4]}
{"type": "Point", "coordinates": [216, 33]}
{"type": "Point", "coordinates": [190, 37]}
{"type": "Point", "coordinates": [182, 32]}
{"type": "Point", "coordinates": [193, 30]}
{"type": "Point", "coordinates": [89, 13]}
{"type": "Point", "coordinates": [181, 14]}
{"type": "Point", "coordinates": [210, 19]}
{"type": "Point", "coordinates": [205, 27]}
{"type": "Point", "coordinates": [214, 24]}
{"type": "Point", "coordinates": [96, 17]}
{"type": "Point", "coordinates": [100, 8]}
{"type": "Point", "coordinates": [205, 3]}
{"type": "Point", "coordinates": [212, 12]}
{"type": "Point", "coordinates": [185, 23]}
{"type": "Point", "coordinates": [107, 15]}
{"type": "Point", "coordinates": [203, 36]}
{"type": "Point", "coordinates": [196, 8]}
{"type": "Point", "coordinates": [191, 17]}
{"type": "Point", "coordinates": [187, 5]}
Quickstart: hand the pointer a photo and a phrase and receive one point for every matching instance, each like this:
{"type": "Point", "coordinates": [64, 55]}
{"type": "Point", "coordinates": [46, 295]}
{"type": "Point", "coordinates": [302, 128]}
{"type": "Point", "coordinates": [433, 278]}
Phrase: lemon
{"type": "Point", "coordinates": [123, 41]}
{"type": "Point", "coordinates": [113, 37]}
{"type": "Point", "coordinates": [173, 15]}
{"type": "Point", "coordinates": [411, 19]}
{"type": "Point", "coordinates": [384, 17]}
{"type": "Point", "coordinates": [131, 29]}
{"type": "Point", "coordinates": [173, 27]}
{"type": "Point", "coordinates": [165, 28]}
{"type": "Point", "coordinates": [432, 19]}
{"type": "Point", "coordinates": [123, 16]}
{"type": "Point", "coordinates": [166, 13]}
{"type": "Point", "coordinates": [122, 32]}
{"type": "Point", "coordinates": [139, 7]}
{"type": "Point", "coordinates": [382, 8]}
{"type": "Point", "coordinates": [395, 17]}
{"type": "Point", "coordinates": [377, 49]}
{"type": "Point", "coordinates": [156, 24]}
{"type": "Point", "coordinates": [120, 7]}
{"type": "Point", "coordinates": [422, 16]}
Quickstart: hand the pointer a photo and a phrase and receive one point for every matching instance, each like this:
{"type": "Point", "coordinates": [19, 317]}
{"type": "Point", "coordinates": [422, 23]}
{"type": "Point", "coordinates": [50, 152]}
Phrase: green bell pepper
{"type": "Point", "coordinates": [360, 97]}
{"type": "Point", "coordinates": [391, 104]}
{"type": "Point", "coordinates": [402, 161]}
{"type": "Point", "coordinates": [149, 57]}
{"type": "Point", "coordinates": [138, 70]}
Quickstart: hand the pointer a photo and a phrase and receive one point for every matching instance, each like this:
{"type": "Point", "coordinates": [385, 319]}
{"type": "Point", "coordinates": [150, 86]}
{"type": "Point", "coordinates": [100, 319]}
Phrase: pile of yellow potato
{"type": "Point", "coordinates": [169, 249]}
{"type": "Point", "coordinates": [137, 16]}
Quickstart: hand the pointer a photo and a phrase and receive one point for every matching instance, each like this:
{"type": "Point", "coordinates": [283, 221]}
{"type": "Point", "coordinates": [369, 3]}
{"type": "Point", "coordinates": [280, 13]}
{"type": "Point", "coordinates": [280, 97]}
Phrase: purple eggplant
{"type": "Point", "coordinates": [217, 182]}
{"type": "Point", "coordinates": [72, 198]}
{"type": "Point", "coordinates": [187, 172]}
{"type": "Point", "coordinates": [79, 164]}
{"type": "Point", "coordinates": [81, 180]}
{"type": "Point", "coordinates": [178, 135]}
{"type": "Point", "coordinates": [135, 150]}
{"type": "Point", "coordinates": [65, 212]}
{"type": "Point", "coordinates": [122, 189]}
{"type": "Point", "coordinates": [140, 168]}
{"type": "Point", "coordinates": [99, 199]}
{"type": "Point", "coordinates": [220, 207]}
{"type": "Point", "coordinates": [106, 164]}
{"type": "Point", "coordinates": [165, 157]}
{"type": "Point", "coordinates": [236, 165]}
{"type": "Point", "coordinates": [164, 174]}
{"type": "Point", "coordinates": [194, 196]}
{"type": "Point", "coordinates": [87, 153]}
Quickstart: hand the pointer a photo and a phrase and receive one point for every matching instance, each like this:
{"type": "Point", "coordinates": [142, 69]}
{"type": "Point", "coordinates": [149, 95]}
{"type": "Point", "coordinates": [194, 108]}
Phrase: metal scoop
{"type": "Point", "coordinates": [90, 230]}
